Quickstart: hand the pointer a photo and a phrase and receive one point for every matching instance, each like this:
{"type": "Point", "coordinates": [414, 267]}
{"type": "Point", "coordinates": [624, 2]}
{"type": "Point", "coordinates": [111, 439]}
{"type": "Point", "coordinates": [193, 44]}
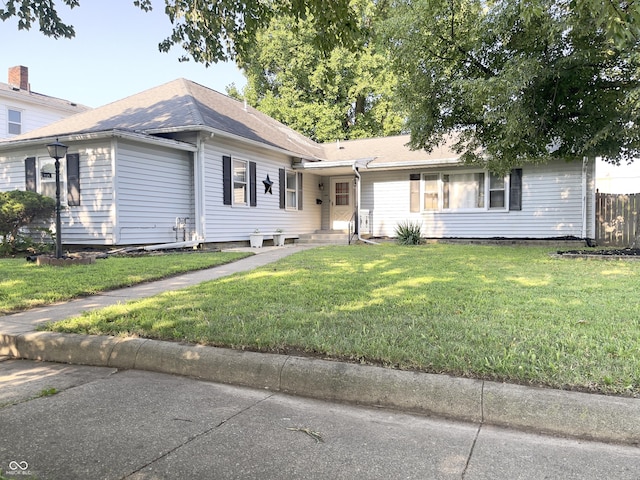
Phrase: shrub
{"type": "Point", "coordinates": [19, 209]}
{"type": "Point", "coordinates": [409, 233]}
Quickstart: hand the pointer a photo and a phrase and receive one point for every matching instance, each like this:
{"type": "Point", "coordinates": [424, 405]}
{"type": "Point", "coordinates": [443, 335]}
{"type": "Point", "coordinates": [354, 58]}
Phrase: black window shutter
{"type": "Point", "coordinates": [253, 194]}
{"type": "Point", "coordinates": [73, 179]}
{"type": "Point", "coordinates": [515, 189]}
{"type": "Point", "coordinates": [30, 174]}
{"type": "Point", "coordinates": [283, 187]}
{"type": "Point", "coordinates": [299, 191]}
{"type": "Point", "coordinates": [226, 180]}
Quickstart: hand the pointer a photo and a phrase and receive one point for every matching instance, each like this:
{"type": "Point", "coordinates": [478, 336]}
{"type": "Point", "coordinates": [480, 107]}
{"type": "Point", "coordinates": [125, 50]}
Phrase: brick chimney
{"type": "Point", "coordinates": [19, 77]}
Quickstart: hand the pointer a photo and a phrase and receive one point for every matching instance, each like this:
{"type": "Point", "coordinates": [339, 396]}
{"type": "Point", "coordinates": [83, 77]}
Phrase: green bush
{"type": "Point", "coordinates": [409, 233]}
{"type": "Point", "coordinates": [19, 209]}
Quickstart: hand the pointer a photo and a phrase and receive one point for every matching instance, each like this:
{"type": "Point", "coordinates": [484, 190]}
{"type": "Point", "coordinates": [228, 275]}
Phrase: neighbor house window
{"type": "Point", "coordinates": [463, 191]}
{"type": "Point", "coordinates": [240, 187]}
{"type": "Point", "coordinates": [15, 122]}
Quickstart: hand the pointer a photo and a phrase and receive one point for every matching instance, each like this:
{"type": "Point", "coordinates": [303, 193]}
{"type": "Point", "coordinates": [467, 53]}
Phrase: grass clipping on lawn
{"type": "Point", "coordinates": [511, 314]}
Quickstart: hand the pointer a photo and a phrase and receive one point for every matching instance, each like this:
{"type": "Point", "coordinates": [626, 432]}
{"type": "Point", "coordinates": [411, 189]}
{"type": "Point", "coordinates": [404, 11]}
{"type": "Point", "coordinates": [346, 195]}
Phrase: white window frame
{"type": "Point", "coordinates": [291, 191]}
{"type": "Point", "coordinates": [486, 192]}
{"type": "Point", "coordinates": [234, 201]}
{"type": "Point", "coordinates": [423, 192]}
{"type": "Point", "coordinates": [11, 123]}
{"type": "Point", "coordinates": [48, 161]}
{"type": "Point", "coordinates": [504, 190]}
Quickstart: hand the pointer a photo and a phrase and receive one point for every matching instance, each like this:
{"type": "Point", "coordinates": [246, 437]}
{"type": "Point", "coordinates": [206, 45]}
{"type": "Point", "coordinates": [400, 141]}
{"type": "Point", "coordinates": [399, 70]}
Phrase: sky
{"type": "Point", "coordinates": [113, 55]}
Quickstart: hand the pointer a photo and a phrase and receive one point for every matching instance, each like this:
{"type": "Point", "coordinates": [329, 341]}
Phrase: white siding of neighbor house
{"type": "Point", "coordinates": [552, 206]}
{"type": "Point", "coordinates": [32, 115]}
{"type": "Point", "coordinates": [154, 185]}
{"type": "Point", "coordinates": [226, 223]}
{"type": "Point", "coordinates": [89, 223]}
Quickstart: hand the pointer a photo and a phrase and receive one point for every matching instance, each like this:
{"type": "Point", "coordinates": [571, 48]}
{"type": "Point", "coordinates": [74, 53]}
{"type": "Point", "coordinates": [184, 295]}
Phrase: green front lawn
{"type": "Point", "coordinates": [503, 313]}
{"type": "Point", "coordinates": [25, 285]}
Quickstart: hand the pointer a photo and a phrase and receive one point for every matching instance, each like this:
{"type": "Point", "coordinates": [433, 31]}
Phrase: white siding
{"type": "Point", "coordinates": [551, 206]}
{"type": "Point", "coordinates": [90, 223]}
{"type": "Point", "coordinates": [154, 185]}
{"type": "Point", "coordinates": [12, 175]}
{"type": "Point", "coordinates": [226, 223]}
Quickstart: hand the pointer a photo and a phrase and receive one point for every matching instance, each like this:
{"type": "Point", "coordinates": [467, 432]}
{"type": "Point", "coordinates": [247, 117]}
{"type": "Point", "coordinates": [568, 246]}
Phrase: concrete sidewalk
{"type": "Point", "coordinates": [589, 416]}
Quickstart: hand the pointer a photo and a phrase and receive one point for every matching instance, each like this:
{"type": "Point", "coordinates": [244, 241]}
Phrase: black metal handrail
{"type": "Point", "coordinates": [352, 226]}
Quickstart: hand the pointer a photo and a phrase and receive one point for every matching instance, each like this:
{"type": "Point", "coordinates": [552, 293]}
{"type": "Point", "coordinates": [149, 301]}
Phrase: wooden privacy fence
{"type": "Point", "coordinates": [616, 218]}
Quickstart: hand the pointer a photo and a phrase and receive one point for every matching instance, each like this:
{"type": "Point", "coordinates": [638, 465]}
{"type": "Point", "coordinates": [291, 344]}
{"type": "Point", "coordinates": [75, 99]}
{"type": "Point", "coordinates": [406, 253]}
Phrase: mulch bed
{"type": "Point", "coordinates": [619, 253]}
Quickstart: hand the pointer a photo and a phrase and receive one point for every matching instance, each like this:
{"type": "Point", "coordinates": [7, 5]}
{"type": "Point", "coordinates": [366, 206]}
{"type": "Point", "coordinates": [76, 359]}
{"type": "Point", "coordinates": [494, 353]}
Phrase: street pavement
{"type": "Point", "coordinates": [112, 408]}
{"type": "Point", "coordinates": [104, 423]}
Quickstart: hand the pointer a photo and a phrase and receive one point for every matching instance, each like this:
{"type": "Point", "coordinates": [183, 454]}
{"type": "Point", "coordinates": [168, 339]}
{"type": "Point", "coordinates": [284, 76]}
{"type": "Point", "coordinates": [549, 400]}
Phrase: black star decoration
{"type": "Point", "coordinates": [267, 185]}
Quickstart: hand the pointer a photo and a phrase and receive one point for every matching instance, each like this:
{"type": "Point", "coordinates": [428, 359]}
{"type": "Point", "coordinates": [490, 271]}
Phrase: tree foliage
{"type": "Point", "coordinates": [19, 209]}
{"type": "Point", "coordinates": [519, 81]}
{"type": "Point", "coordinates": [209, 30]}
{"type": "Point", "coordinates": [327, 95]}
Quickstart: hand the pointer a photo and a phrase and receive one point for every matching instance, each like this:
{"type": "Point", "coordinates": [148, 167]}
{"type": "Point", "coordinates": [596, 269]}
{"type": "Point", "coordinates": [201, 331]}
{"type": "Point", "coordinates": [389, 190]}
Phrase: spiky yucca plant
{"type": "Point", "coordinates": [409, 233]}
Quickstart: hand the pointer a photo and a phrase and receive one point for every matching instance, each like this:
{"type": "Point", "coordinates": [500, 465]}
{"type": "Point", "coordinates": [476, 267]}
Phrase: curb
{"type": "Point", "coordinates": [558, 412]}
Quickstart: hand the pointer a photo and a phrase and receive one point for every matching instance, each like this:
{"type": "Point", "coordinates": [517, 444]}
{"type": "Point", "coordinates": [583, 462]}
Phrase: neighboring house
{"type": "Point", "coordinates": [22, 110]}
{"type": "Point", "coordinates": [618, 179]}
{"type": "Point", "coordinates": [181, 161]}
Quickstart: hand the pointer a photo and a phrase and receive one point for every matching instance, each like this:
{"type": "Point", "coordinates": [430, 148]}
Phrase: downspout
{"type": "Point", "coordinates": [585, 165]}
{"type": "Point", "coordinates": [359, 179]}
{"type": "Point", "coordinates": [115, 197]}
{"type": "Point", "coordinates": [199, 190]}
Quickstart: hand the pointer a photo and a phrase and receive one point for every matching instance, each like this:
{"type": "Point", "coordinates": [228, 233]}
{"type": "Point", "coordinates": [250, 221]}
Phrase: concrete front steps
{"type": "Point", "coordinates": [328, 237]}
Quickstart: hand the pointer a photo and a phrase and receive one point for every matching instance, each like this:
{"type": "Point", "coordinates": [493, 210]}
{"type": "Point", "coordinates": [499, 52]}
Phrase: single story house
{"type": "Point", "coordinates": [181, 162]}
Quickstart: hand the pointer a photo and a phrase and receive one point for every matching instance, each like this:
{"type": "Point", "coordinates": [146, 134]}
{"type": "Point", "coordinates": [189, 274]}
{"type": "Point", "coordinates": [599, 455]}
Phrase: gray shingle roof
{"type": "Point", "coordinates": [182, 104]}
{"type": "Point", "coordinates": [186, 105]}
{"type": "Point", "coordinates": [385, 150]}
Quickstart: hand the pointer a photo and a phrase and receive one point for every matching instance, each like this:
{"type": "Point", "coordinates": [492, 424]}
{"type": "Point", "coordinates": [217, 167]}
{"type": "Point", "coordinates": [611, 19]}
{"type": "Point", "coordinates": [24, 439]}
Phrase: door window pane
{"type": "Point", "coordinates": [342, 193]}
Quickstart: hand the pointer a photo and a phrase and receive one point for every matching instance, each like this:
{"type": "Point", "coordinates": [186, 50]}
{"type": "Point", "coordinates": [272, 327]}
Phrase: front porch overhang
{"type": "Point", "coordinates": [346, 167]}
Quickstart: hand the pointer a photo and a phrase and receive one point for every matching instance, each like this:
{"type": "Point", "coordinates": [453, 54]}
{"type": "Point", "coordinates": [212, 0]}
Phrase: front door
{"type": "Point", "coordinates": [341, 202]}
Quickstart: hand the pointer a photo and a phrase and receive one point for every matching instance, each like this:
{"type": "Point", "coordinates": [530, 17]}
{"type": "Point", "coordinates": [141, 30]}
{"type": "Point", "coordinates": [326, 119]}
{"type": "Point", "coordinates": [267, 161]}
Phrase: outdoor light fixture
{"type": "Point", "coordinates": [57, 151]}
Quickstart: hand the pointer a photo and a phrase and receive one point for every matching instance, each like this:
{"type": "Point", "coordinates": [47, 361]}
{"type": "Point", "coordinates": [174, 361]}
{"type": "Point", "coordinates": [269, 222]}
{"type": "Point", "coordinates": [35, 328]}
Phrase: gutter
{"type": "Point", "coordinates": [144, 138]}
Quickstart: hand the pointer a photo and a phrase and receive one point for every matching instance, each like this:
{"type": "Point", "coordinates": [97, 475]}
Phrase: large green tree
{"type": "Point", "coordinates": [326, 94]}
{"type": "Point", "coordinates": [208, 30]}
{"type": "Point", "coordinates": [519, 81]}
